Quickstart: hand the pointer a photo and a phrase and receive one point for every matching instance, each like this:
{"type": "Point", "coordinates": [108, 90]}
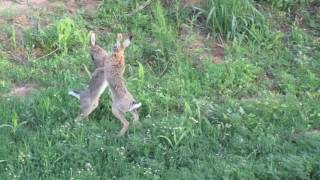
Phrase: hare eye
{"type": "Point", "coordinates": [115, 48]}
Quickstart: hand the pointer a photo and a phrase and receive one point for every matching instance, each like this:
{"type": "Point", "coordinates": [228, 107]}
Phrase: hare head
{"type": "Point", "coordinates": [120, 47]}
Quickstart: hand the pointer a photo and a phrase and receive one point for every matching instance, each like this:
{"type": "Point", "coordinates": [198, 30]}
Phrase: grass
{"type": "Point", "coordinates": [256, 116]}
{"type": "Point", "coordinates": [231, 18]}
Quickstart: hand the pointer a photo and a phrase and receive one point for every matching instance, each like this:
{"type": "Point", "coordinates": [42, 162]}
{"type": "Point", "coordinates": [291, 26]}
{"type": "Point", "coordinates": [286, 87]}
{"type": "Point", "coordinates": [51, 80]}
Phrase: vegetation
{"type": "Point", "coordinates": [254, 116]}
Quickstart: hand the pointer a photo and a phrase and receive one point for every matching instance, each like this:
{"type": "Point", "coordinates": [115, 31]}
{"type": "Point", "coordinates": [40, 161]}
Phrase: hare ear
{"type": "Point", "coordinates": [119, 37]}
{"type": "Point", "coordinates": [92, 39]}
{"type": "Point", "coordinates": [117, 46]}
{"type": "Point", "coordinates": [127, 41]}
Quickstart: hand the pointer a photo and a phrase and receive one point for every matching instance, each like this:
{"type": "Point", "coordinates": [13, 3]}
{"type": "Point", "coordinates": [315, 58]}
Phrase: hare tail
{"type": "Point", "coordinates": [74, 94]}
{"type": "Point", "coordinates": [92, 39]}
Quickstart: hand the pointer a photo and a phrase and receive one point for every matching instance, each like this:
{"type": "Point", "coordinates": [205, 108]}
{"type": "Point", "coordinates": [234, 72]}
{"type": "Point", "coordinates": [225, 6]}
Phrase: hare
{"type": "Point", "coordinates": [109, 72]}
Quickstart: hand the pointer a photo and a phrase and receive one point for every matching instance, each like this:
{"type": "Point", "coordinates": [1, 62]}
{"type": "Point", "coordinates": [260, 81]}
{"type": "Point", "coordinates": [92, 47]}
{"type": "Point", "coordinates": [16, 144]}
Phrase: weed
{"type": "Point", "coordinates": [14, 36]}
{"type": "Point", "coordinates": [64, 28]}
{"type": "Point", "coordinates": [15, 125]}
{"type": "Point", "coordinates": [231, 18]}
{"type": "Point", "coordinates": [163, 33]}
{"type": "Point", "coordinates": [175, 140]}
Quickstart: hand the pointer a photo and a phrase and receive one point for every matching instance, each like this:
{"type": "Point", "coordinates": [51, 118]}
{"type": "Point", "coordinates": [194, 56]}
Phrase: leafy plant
{"type": "Point", "coordinates": [13, 30]}
{"type": "Point", "coordinates": [82, 37]}
{"type": "Point", "coordinates": [175, 139]}
{"type": "Point", "coordinates": [231, 18]}
{"type": "Point", "coordinates": [163, 32]}
{"type": "Point", "coordinates": [15, 124]}
{"type": "Point", "coordinates": [65, 27]}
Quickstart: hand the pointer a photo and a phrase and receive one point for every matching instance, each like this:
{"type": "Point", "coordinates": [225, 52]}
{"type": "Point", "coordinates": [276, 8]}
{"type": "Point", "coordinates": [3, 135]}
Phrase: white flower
{"type": "Point", "coordinates": [88, 166]}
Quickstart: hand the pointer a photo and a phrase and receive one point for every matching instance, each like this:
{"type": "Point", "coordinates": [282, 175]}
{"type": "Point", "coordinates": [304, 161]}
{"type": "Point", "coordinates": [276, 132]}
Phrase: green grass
{"type": "Point", "coordinates": [256, 116]}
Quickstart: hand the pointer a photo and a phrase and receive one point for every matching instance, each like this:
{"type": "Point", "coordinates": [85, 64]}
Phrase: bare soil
{"type": "Point", "coordinates": [22, 90]}
{"type": "Point", "coordinates": [20, 5]}
{"type": "Point", "coordinates": [185, 3]}
{"type": "Point", "coordinates": [218, 53]}
{"type": "Point", "coordinates": [203, 45]}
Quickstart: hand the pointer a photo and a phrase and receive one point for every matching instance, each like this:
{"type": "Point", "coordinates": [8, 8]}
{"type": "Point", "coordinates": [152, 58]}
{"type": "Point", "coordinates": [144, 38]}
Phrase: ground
{"type": "Point", "coordinates": [226, 92]}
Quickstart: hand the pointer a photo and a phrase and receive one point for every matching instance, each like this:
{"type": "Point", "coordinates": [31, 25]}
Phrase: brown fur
{"type": "Point", "coordinates": [109, 70]}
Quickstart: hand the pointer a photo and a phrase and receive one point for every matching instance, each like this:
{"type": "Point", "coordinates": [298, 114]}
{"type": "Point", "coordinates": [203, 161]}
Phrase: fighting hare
{"type": "Point", "coordinates": [109, 72]}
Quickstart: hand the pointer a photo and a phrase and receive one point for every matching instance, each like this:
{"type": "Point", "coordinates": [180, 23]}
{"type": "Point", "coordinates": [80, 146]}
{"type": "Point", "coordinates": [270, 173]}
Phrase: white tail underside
{"type": "Point", "coordinates": [74, 94]}
{"type": "Point", "coordinates": [135, 106]}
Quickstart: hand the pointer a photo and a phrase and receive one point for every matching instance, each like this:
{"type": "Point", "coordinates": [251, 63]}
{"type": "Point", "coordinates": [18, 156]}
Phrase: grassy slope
{"type": "Point", "coordinates": [255, 116]}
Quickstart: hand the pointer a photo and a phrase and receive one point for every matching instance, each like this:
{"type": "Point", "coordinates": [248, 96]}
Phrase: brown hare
{"type": "Point", "coordinates": [109, 72]}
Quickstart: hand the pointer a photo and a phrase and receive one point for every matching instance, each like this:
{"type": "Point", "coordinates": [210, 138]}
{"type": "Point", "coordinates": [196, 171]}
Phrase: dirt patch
{"type": "Point", "coordinates": [194, 43]}
{"type": "Point", "coordinates": [197, 44]}
{"type": "Point", "coordinates": [218, 53]}
{"type": "Point", "coordinates": [197, 3]}
{"type": "Point", "coordinates": [22, 90]}
{"type": "Point", "coordinates": [21, 20]}
{"type": "Point", "coordinates": [19, 6]}
{"type": "Point", "coordinates": [25, 6]}
{"type": "Point", "coordinates": [203, 45]}
{"type": "Point", "coordinates": [37, 52]}
{"type": "Point", "coordinates": [2, 22]}
{"type": "Point", "coordinates": [285, 28]}
{"type": "Point", "coordinates": [14, 46]}
{"type": "Point", "coordinates": [90, 6]}
{"type": "Point", "coordinates": [3, 37]}
{"type": "Point", "coordinates": [19, 55]}
{"type": "Point", "coordinates": [303, 20]}
{"type": "Point", "coordinates": [184, 3]}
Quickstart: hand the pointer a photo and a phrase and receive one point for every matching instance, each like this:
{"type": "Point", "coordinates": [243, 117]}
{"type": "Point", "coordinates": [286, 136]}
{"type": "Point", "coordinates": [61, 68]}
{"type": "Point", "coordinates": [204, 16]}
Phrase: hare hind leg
{"type": "Point", "coordinates": [120, 115]}
{"type": "Point", "coordinates": [89, 99]}
{"type": "Point", "coordinates": [86, 108]}
{"type": "Point", "coordinates": [135, 116]}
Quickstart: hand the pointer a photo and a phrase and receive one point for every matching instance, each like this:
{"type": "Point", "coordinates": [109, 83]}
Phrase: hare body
{"type": "Point", "coordinates": [109, 72]}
